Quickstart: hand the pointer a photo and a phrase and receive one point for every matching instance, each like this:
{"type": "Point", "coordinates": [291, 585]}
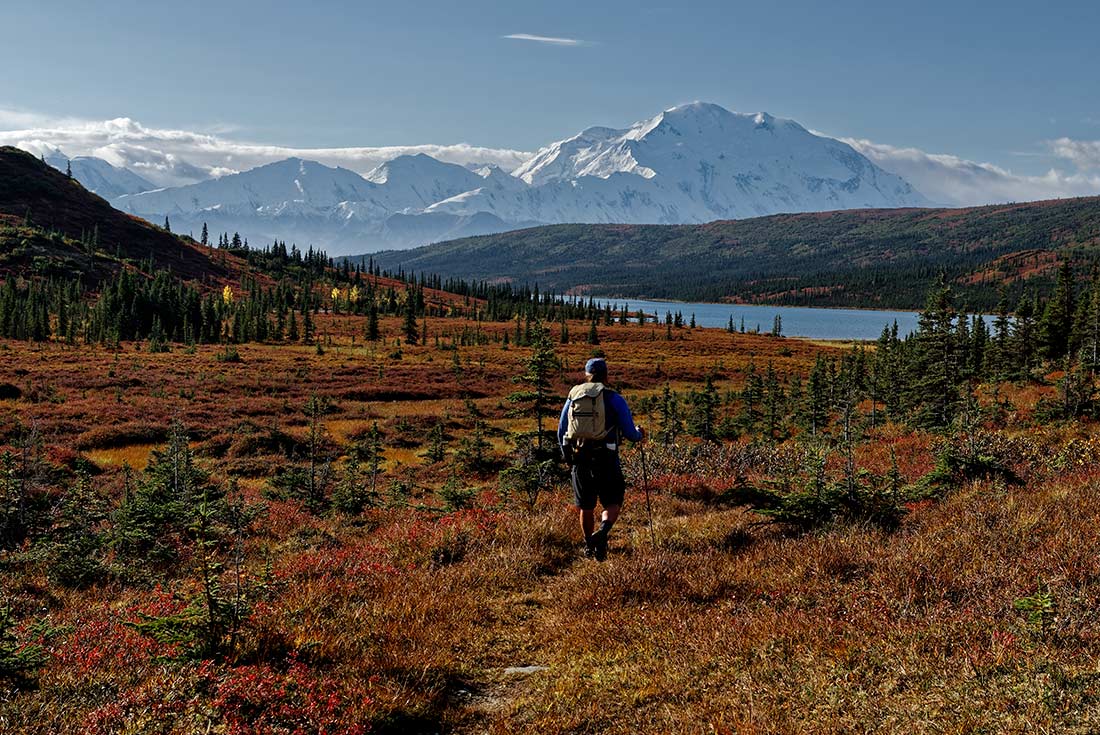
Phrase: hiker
{"type": "Point", "coordinates": [593, 422]}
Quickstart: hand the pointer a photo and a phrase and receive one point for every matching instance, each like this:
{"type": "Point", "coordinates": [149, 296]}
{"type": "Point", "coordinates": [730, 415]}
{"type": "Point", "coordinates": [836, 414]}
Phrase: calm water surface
{"type": "Point", "coordinates": [842, 324]}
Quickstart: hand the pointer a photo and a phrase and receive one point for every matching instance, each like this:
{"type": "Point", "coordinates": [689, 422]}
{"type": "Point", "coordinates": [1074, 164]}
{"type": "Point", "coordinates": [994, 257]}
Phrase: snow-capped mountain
{"type": "Point", "coordinates": [689, 164]}
{"type": "Point", "coordinates": [307, 202]}
{"type": "Point", "coordinates": [269, 189]}
{"type": "Point", "coordinates": [98, 176]}
{"type": "Point", "coordinates": [701, 162]}
{"type": "Point", "coordinates": [420, 181]}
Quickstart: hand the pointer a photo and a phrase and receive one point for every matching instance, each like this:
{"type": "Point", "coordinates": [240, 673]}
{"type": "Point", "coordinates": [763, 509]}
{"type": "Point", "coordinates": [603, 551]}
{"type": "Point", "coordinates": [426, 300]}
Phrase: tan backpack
{"type": "Point", "coordinates": [587, 419]}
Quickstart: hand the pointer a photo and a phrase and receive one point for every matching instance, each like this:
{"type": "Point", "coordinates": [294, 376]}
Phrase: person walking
{"type": "Point", "coordinates": [594, 420]}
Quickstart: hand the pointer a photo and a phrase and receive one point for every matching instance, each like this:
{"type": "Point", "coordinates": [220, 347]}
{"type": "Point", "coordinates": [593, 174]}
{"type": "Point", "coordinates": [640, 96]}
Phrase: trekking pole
{"type": "Point", "coordinates": [648, 504]}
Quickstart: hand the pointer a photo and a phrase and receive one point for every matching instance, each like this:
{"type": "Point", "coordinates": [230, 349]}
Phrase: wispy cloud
{"type": "Point", "coordinates": [950, 180]}
{"type": "Point", "coordinates": [1085, 154]}
{"type": "Point", "coordinates": [169, 157]}
{"type": "Point", "coordinates": [550, 40]}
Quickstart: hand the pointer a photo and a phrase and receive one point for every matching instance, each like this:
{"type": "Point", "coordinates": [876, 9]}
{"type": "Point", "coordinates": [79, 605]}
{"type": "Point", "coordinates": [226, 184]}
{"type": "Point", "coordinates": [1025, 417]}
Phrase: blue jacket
{"type": "Point", "coordinates": [618, 417]}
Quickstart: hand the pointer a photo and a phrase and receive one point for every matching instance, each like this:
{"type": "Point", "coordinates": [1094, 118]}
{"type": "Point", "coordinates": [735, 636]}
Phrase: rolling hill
{"type": "Point", "coordinates": [867, 258]}
{"type": "Point", "coordinates": [50, 224]}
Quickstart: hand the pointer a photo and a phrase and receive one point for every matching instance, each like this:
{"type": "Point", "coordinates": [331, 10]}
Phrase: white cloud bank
{"type": "Point", "coordinates": [173, 157]}
{"type": "Point", "coordinates": [550, 40]}
{"type": "Point", "coordinates": [169, 157]}
{"type": "Point", "coordinates": [952, 181]}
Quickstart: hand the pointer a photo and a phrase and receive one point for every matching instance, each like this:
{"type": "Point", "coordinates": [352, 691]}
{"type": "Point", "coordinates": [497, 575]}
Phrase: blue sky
{"type": "Point", "coordinates": [987, 82]}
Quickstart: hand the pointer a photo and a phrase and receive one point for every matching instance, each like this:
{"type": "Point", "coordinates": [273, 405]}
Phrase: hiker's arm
{"type": "Point", "coordinates": [626, 422]}
{"type": "Point", "coordinates": [563, 422]}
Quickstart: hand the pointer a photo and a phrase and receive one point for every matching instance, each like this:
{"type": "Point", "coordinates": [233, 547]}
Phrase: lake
{"type": "Point", "coordinates": [811, 323]}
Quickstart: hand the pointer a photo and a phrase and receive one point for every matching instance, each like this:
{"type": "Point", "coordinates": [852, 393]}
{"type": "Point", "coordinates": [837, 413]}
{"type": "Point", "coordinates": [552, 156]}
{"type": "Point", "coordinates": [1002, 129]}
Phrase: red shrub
{"type": "Point", "coordinates": [260, 700]}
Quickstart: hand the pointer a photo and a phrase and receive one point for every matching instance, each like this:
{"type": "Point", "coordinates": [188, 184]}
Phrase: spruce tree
{"type": "Point", "coordinates": [1056, 321]}
{"type": "Point", "coordinates": [1022, 345]}
{"type": "Point", "coordinates": [752, 395]}
{"type": "Point", "coordinates": [534, 399]}
{"type": "Point", "coordinates": [409, 326]}
{"type": "Point", "coordinates": [473, 450]}
{"type": "Point", "coordinates": [307, 320]}
{"type": "Point", "coordinates": [153, 521]}
{"type": "Point", "coordinates": [935, 396]}
{"type": "Point", "coordinates": [292, 328]}
{"type": "Point", "coordinates": [670, 424]}
{"type": "Point", "coordinates": [437, 445]}
{"type": "Point", "coordinates": [369, 451]}
{"type": "Point", "coordinates": [979, 345]}
{"type": "Point", "coordinates": [998, 361]}
{"type": "Point", "coordinates": [372, 323]}
{"type": "Point", "coordinates": [774, 400]}
{"type": "Point", "coordinates": [814, 414]}
{"type": "Point", "coordinates": [1089, 324]}
{"type": "Point", "coordinates": [351, 495]}
{"type": "Point", "coordinates": [317, 477]}
{"type": "Point", "coordinates": [703, 414]}
{"type": "Point", "coordinates": [76, 552]}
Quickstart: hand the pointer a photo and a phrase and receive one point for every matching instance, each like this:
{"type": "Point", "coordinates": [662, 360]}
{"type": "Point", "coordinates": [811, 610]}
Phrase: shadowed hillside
{"type": "Point", "coordinates": [873, 258]}
{"type": "Point", "coordinates": [50, 224]}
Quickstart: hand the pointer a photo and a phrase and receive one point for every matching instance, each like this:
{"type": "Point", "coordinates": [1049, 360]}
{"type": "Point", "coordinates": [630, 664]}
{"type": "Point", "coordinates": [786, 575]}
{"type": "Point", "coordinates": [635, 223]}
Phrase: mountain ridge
{"type": "Point", "coordinates": [887, 258]}
{"type": "Point", "coordinates": [688, 164]}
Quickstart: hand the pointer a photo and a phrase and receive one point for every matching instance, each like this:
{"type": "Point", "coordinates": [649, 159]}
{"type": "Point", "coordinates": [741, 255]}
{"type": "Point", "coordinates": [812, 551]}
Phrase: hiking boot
{"type": "Point", "coordinates": [589, 552]}
{"type": "Point", "coordinates": [599, 545]}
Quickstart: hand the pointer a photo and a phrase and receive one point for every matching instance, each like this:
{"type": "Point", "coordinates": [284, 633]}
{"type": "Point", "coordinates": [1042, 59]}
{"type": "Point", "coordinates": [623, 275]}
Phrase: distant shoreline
{"type": "Point", "coordinates": [761, 306]}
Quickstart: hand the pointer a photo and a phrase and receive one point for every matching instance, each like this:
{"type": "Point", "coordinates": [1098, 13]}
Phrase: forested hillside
{"type": "Point", "coordinates": [868, 258]}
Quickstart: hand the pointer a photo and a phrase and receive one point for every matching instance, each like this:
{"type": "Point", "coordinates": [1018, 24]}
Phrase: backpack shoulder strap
{"type": "Point", "coordinates": [609, 407]}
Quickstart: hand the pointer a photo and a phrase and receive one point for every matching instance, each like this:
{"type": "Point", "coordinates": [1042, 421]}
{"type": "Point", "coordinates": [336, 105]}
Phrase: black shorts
{"type": "Point", "coordinates": [601, 478]}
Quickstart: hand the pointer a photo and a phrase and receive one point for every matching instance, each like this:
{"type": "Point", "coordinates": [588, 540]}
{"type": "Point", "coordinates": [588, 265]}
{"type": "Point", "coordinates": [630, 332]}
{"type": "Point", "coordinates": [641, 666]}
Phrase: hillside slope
{"type": "Point", "coordinates": [48, 220]}
{"type": "Point", "coordinates": [878, 257]}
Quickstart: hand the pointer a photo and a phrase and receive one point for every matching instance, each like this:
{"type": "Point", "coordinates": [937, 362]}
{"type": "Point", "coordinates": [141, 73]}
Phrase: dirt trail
{"type": "Point", "coordinates": [522, 654]}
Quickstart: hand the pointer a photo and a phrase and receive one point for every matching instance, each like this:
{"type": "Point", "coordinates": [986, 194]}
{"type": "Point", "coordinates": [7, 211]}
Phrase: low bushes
{"type": "Point", "coordinates": [121, 435]}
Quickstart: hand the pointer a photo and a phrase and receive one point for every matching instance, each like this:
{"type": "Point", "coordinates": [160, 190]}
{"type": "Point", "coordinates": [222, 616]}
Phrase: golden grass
{"type": "Point", "coordinates": [409, 618]}
{"type": "Point", "coordinates": [134, 455]}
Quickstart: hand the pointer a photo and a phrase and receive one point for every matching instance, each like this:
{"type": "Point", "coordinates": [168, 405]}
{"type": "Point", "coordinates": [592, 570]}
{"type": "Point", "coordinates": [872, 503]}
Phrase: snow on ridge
{"type": "Point", "coordinates": [690, 163]}
{"type": "Point", "coordinates": [97, 175]}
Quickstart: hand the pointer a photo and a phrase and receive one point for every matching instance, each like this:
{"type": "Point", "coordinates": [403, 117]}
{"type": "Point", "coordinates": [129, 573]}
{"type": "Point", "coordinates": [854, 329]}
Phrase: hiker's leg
{"type": "Point", "coordinates": [599, 538]}
{"type": "Point", "coordinates": [611, 513]}
{"type": "Point", "coordinates": [612, 492]}
{"type": "Point", "coordinates": [588, 521]}
{"type": "Point", "coordinates": [585, 501]}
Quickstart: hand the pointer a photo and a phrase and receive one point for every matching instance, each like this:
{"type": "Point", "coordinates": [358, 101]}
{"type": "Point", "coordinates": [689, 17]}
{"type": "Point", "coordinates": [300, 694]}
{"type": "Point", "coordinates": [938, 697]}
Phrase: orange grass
{"type": "Point", "coordinates": [409, 619]}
